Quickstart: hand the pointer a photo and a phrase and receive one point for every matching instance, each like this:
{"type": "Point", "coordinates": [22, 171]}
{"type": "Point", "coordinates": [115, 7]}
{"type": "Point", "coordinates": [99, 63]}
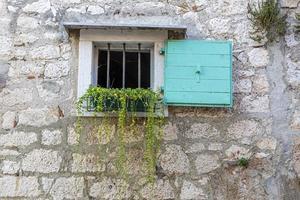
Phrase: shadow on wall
{"type": "Point", "coordinates": [3, 75]}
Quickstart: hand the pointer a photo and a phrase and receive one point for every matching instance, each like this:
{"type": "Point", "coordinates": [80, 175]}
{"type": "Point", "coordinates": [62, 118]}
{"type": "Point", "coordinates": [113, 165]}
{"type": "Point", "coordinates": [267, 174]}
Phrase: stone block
{"type": "Point", "coordinates": [9, 120]}
{"type": "Point", "coordinates": [17, 139]}
{"type": "Point", "coordinates": [244, 128]}
{"type": "Point", "coordinates": [170, 132]}
{"type": "Point", "coordinates": [41, 6]}
{"type": "Point", "coordinates": [51, 137]}
{"type": "Point", "coordinates": [87, 163]}
{"type": "Point", "coordinates": [11, 186]}
{"type": "Point", "coordinates": [161, 189]}
{"type": "Point", "coordinates": [259, 57]}
{"type": "Point", "coordinates": [201, 130]}
{"type": "Point", "coordinates": [10, 167]}
{"type": "Point", "coordinates": [37, 117]}
{"type": "Point", "coordinates": [289, 3]}
{"type": "Point", "coordinates": [194, 148]}
{"type": "Point", "coordinates": [41, 160]}
{"type": "Point", "coordinates": [295, 125]}
{"type": "Point", "coordinates": [255, 104]}
{"type": "Point", "coordinates": [267, 143]}
{"type": "Point", "coordinates": [110, 189]}
{"type": "Point", "coordinates": [26, 23]}
{"type": "Point", "coordinates": [190, 191]}
{"type": "Point", "coordinates": [174, 160]}
{"type": "Point", "coordinates": [235, 152]}
{"type": "Point", "coordinates": [206, 163]}
{"type": "Point", "coordinates": [45, 52]}
{"type": "Point", "coordinates": [57, 70]}
{"type": "Point", "coordinates": [95, 10]}
{"type": "Point", "coordinates": [67, 188]}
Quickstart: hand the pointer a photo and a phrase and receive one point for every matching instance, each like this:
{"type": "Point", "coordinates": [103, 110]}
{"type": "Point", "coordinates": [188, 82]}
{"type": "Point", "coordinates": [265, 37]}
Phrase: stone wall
{"type": "Point", "coordinates": [40, 157]}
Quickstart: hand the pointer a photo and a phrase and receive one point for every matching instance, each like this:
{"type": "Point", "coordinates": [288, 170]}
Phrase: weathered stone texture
{"type": "Point", "coordinates": [110, 189]}
{"type": "Point", "coordinates": [190, 191]}
{"type": "Point", "coordinates": [161, 190]}
{"type": "Point", "coordinates": [87, 163]}
{"type": "Point", "coordinates": [174, 160]}
{"type": "Point", "coordinates": [258, 57]}
{"type": "Point", "coordinates": [37, 117]}
{"type": "Point", "coordinates": [11, 186]}
{"type": "Point", "coordinates": [41, 160]}
{"type": "Point", "coordinates": [9, 120]}
{"type": "Point", "coordinates": [51, 137]}
{"type": "Point", "coordinates": [67, 188]}
{"type": "Point", "coordinates": [17, 139]}
{"type": "Point", "coordinates": [206, 163]}
{"type": "Point", "coordinates": [201, 130]}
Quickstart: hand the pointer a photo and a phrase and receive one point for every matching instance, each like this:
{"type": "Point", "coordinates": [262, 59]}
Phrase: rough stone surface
{"type": "Point", "coordinates": [296, 121]}
{"type": "Point", "coordinates": [9, 120]}
{"type": "Point", "coordinates": [161, 190]}
{"type": "Point", "coordinates": [259, 57]}
{"type": "Point", "coordinates": [37, 117]}
{"type": "Point", "coordinates": [51, 137]}
{"type": "Point", "coordinates": [170, 132]}
{"type": "Point", "coordinates": [45, 52]}
{"type": "Point", "coordinates": [41, 160]}
{"type": "Point", "coordinates": [40, 6]}
{"type": "Point", "coordinates": [206, 163]}
{"type": "Point", "coordinates": [11, 186]}
{"type": "Point", "coordinates": [201, 130]}
{"type": "Point", "coordinates": [86, 163]}
{"type": "Point", "coordinates": [267, 143]}
{"type": "Point", "coordinates": [17, 139]}
{"type": "Point", "coordinates": [190, 191]}
{"type": "Point", "coordinates": [110, 189]}
{"type": "Point", "coordinates": [197, 147]}
{"type": "Point", "coordinates": [67, 188]}
{"type": "Point", "coordinates": [236, 152]}
{"type": "Point", "coordinates": [244, 128]}
{"type": "Point", "coordinates": [289, 3]}
{"type": "Point", "coordinates": [254, 104]}
{"type": "Point", "coordinates": [57, 70]}
{"type": "Point", "coordinates": [174, 160]}
{"type": "Point", "coordinates": [10, 167]}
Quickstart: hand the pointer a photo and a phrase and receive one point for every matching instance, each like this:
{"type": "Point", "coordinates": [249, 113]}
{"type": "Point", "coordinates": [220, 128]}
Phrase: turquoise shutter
{"type": "Point", "coordinates": [198, 73]}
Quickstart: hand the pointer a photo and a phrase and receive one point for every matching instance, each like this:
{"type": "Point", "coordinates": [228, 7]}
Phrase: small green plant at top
{"type": "Point", "coordinates": [122, 102]}
{"type": "Point", "coordinates": [243, 162]}
{"type": "Point", "coordinates": [298, 23]}
{"type": "Point", "coordinates": [267, 21]}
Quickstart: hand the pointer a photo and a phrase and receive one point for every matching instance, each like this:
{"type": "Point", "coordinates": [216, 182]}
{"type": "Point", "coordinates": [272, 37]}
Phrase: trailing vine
{"type": "Point", "coordinates": [125, 103]}
{"type": "Point", "coordinates": [267, 21]}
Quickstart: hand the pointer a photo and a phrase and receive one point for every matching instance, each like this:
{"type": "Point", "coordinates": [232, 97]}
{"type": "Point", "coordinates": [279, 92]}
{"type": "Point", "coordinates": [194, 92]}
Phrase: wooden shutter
{"type": "Point", "coordinates": [198, 73]}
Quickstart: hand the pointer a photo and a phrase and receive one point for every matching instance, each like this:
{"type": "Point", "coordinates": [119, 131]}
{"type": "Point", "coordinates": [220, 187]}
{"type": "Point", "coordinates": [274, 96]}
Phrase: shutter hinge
{"type": "Point", "coordinates": [162, 51]}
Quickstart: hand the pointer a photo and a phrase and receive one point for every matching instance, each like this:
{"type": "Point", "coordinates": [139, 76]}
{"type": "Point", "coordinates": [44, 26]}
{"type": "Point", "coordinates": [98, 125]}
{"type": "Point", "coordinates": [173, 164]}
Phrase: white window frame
{"type": "Point", "coordinates": [87, 70]}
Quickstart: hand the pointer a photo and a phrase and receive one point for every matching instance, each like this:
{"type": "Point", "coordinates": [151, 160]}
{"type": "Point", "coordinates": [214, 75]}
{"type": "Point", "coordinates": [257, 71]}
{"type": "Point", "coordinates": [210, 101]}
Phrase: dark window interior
{"type": "Point", "coordinates": [131, 69]}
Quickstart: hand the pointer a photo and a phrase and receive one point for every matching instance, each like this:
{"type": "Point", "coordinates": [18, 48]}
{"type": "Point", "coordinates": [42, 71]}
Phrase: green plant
{"type": "Point", "coordinates": [243, 162]}
{"type": "Point", "coordinates": [267, 21]}
{"type": "Point", "coordinates": [298, 24]}
{"type": "Point", "coordinates": [124, 102]}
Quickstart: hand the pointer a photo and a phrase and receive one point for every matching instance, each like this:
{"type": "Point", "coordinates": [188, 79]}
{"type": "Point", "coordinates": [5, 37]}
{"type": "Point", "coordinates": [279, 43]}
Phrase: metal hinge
{"type": "Point", "coordinates": [162, 51]}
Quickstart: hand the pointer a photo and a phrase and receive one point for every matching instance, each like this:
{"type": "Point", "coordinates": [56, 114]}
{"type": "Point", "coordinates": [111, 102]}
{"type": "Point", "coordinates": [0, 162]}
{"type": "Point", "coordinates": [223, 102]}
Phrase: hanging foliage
{"type": "Point", "coordinates": [267, 21]}
{"type": "Point", "coordinates": [125, 103]}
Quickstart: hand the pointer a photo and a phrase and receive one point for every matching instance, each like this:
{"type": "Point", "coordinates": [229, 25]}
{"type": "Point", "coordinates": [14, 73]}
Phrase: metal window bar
{"type": "Point", "coordinates": [139, 65]}
{"type": "Point", "coordinates": [124, 65]}
{"type": "Point", "coordinates": [108, 66]}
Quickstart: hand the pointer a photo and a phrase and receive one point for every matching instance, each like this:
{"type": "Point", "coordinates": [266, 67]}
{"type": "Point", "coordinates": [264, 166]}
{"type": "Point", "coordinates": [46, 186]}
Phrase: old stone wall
{"type": "Point", "coordinates": [41, 157]}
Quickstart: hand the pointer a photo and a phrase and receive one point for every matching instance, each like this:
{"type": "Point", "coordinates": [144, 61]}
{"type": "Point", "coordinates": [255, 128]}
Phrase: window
{"type": "Point", "coordinates": [132, 56]}
{"type": "Point", "coordinates": [124, 65]}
